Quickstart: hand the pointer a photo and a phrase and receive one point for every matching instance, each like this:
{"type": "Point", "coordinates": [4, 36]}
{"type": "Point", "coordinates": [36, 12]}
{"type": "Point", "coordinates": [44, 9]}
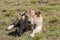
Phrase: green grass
{"type": "Point", "coordinates": [50, 10]}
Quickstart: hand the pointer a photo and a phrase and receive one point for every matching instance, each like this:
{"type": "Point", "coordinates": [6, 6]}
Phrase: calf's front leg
{"type": "Point", "coordinates": [10, 27]}
{"type": "Point", "coordinates": [13, 24]}
{"type": "Point", "coordinates": [36, 30]}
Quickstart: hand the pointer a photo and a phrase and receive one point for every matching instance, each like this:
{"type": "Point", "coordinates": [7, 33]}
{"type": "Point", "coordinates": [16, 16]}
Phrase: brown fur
{"type": "Point", "coordinates": [19, 16]}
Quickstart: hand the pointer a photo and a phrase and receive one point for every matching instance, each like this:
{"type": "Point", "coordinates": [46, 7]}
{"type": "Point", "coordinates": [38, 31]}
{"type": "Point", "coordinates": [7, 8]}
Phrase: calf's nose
{"type": "Point", "coordinates": [29, 22]}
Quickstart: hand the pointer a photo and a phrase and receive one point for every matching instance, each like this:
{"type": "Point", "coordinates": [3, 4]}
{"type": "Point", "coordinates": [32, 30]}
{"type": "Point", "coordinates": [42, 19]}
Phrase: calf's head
{"type": "Point", "coordinates": [31, 14]}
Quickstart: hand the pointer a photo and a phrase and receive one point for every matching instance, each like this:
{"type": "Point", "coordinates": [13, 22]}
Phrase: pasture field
{"type": "Point", "coordinates": [50, 10]}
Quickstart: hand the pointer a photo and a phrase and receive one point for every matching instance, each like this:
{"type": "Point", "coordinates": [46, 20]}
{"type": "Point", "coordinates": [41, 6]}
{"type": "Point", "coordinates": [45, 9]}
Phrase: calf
{"type": "Point", "coordinates": [19, 23]}
{"type": "Point", "coordinates": [34, 18]}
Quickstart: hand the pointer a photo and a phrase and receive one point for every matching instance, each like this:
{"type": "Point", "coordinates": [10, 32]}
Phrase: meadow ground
{"type": "Point", "coordinates": [50, 10]}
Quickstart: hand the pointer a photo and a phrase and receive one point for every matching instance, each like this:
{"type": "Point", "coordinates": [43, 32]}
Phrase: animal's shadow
{"type": "Point", "coordinates": [13, 33]}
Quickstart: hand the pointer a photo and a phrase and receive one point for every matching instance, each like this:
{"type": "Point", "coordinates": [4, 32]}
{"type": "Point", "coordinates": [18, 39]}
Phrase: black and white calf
{"type": "Point", "coordinates": [19, 24]}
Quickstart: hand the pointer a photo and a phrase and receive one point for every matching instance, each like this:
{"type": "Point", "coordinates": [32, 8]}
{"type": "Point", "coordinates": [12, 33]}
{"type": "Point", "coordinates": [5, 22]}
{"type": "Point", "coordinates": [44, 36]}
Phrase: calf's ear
{"type": "Point", "coordinates": [19, 16]}
{"type": "Point", "coordinates": [37, 13]}
{"type": "Point", "coordinates": [24, 13]}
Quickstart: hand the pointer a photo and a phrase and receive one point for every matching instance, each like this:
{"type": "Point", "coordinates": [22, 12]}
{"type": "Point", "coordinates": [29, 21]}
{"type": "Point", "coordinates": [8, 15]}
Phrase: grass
{"type": "Point", "coordinates": [50, 10]}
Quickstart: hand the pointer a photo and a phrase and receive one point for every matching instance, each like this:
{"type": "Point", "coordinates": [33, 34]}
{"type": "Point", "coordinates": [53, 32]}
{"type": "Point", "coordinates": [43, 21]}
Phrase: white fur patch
{"type": "Point", "coordinates": [10, 27]}
{"type": "Point", "coordinates": [23, 17]}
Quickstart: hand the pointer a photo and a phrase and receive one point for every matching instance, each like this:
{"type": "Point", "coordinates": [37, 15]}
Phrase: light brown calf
{"type": "Point", "coordinates": [36, 18]}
